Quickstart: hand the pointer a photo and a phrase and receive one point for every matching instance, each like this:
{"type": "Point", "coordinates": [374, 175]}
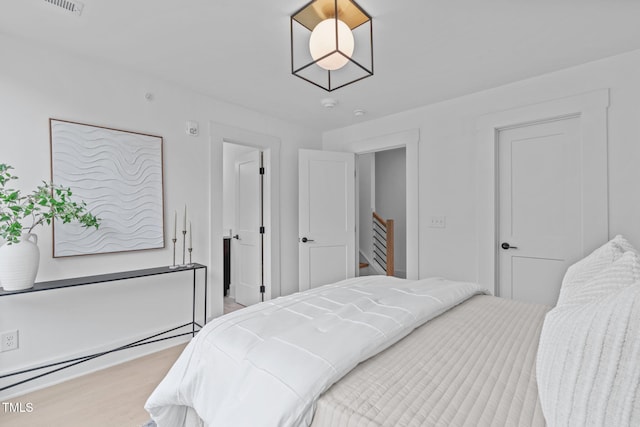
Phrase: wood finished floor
{"type": "Point", "coordinates": [112, 397]}
{"type": "Point", "coordinates": [230, 305]}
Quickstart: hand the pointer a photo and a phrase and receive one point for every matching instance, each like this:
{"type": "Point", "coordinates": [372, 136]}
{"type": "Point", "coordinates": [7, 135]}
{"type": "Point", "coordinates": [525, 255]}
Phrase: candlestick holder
{"type": "Point", "coordinates": [190, 262]}
{"type": "Point", "coordinates": [184, 246]}
{"type": "Point", "coordinates": [174, 266]}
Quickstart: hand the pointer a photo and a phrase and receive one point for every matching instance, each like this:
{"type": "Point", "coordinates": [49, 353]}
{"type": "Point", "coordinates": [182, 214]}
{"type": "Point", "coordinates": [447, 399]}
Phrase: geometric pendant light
{"type": "Point", "coordinates": [331, 43]}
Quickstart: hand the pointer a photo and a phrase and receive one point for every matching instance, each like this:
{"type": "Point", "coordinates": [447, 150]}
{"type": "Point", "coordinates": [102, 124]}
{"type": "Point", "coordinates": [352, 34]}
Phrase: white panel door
{"type": "Point", "coordinates": [326, 217]}
{"type": "Point", "coordinates": [540, 217]}
{"type": "Point", "coordinates": [247, 240]}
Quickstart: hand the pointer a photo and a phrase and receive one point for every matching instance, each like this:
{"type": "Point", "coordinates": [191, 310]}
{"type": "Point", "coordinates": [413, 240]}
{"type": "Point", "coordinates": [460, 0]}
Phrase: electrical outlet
{"type": "Point", "coordinates": [9, 341]}
{"type": "Point", "coordinates": [438, 222]}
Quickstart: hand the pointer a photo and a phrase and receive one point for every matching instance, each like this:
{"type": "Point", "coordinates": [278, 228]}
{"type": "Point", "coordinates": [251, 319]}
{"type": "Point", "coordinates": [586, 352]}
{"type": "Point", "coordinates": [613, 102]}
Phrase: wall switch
{"type": "Point", "coordinates": [192, 128]}
{"type": "Point", "coordinates": [9, 341]}
{"type": "Point", "coordinates": [438, 222]}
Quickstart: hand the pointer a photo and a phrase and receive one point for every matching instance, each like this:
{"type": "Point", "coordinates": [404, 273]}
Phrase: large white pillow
{"type": "Point", "coordinates": [588, 363]}
{"type": "Point", "coordinates": [585, 269]}
{"type": "Point", "coordinates": [624, 244]}
{"type": "Point", "coordinates": [623, 272]}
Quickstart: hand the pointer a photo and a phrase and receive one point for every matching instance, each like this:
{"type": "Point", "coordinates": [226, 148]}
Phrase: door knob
{"type": "Point", "coordinates": [305, 240]}
{"type": "Point", "coordinates": [506, 246]}
{"type": "Point", "coordinates": [236, 236]}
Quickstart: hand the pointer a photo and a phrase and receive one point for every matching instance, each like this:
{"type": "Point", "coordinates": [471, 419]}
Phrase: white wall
{"type": "Point", "coordinates": [366, 188]}
{"type": "Point", "coordinates": [391, 200]}
{"type": "Point", "coordinates": [448, 155]}
{"type": "Point", "coordinates": [36, 84]}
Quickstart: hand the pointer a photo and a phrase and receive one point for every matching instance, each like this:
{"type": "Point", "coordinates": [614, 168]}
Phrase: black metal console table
{"type": "Point", "coordinates": [102, 278]}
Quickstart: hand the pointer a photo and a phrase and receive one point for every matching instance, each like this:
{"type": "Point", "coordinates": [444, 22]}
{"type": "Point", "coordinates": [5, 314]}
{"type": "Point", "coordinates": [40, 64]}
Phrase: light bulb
{"type": "Point", "coordinates": [323, 41]}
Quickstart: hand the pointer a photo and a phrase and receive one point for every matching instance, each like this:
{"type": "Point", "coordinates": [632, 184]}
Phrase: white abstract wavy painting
{"type": "Point", "coordinates": [119, 175]}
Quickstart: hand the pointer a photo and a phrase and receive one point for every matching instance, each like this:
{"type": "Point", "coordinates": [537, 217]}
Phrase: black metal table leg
{"type": "Point", "coordinates": [204, 321]}
{"type": "Point", "coordinates": [193, 307]}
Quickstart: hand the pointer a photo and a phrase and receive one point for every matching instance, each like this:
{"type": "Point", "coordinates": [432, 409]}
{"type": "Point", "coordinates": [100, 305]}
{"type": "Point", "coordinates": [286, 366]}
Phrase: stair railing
{"type": "Point", "coordinates": [383, 239]}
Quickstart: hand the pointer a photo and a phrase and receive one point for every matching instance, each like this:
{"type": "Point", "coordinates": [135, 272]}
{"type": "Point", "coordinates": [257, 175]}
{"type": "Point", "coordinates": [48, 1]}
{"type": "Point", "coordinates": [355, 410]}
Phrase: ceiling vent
{"type": "Point", "coordinates": [72, 6]}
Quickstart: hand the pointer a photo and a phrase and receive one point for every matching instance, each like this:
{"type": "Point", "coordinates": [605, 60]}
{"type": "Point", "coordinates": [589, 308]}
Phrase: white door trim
{"type": "Point", "coordinates": [591, 107]}
{"type": "Point", "coordinates": [270, 145]}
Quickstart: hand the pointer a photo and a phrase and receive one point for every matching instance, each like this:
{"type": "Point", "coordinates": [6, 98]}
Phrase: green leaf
{"type": "Point", "coordinates": [46, 203]}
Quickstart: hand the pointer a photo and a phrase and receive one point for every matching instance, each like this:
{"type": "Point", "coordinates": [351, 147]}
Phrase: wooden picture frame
{"type": "Point", "coordinates": [119, 174]}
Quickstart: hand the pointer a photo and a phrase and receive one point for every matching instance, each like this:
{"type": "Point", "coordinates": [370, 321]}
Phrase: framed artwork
{"type": "Point", "coordinates": [119, 175]}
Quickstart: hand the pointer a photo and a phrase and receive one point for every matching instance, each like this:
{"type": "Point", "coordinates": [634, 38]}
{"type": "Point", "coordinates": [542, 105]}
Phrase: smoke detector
{"type": "Point", "coordinates": [72, 6]}
{"type": "Point", "coordinates": [328, 102]}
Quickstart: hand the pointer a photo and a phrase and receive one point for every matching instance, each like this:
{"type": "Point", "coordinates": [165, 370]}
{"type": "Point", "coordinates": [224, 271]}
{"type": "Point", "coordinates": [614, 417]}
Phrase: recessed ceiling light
{"type": "Point", "coordinates": [359, 112]}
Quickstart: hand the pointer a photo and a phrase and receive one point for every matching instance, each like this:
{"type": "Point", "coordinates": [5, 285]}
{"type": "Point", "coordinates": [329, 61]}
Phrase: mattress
{"type": "Point", "coordinates": [471, 366]}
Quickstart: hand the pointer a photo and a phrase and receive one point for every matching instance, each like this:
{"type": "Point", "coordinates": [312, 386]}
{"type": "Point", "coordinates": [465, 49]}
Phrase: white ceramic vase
{"type": "Point", "coordinates": [19, 263]}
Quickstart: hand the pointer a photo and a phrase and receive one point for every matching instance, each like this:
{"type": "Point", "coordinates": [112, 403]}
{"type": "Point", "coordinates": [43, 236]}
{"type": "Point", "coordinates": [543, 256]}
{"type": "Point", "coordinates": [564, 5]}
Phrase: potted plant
{"type": "Point", "coordinates": [20, 214]}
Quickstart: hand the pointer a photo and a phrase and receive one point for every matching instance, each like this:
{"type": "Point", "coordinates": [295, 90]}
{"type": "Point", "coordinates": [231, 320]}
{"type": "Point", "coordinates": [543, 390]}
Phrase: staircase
{"type": "Point", "coordinates": [383, 244]}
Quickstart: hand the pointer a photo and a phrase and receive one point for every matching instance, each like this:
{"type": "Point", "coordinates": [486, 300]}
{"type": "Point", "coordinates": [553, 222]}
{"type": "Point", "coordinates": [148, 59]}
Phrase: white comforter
{"type": "Point", "coordinates": [267, 364]}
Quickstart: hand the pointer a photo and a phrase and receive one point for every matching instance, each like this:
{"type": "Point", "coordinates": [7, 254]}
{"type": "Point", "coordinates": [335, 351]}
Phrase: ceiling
{"type": "Point", "coordinates": [238, 51]}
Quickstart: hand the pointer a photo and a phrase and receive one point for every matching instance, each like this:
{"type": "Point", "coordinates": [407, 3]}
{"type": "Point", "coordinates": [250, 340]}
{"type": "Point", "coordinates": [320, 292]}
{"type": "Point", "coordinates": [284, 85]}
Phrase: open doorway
{"type": "Point", "coordinates": [382, 212]}
{"type": "Point", "coordinates": [270, 147]}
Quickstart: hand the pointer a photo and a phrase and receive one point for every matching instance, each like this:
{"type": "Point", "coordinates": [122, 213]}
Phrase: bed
{"type": "Point", "coordinates": [376, 351]}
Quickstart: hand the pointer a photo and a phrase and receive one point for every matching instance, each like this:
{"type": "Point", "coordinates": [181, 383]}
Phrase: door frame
{"type": "Point", "coordinates": [270, 146]}
{"type": "Point", "coordinates": [410, 140]}
{"type": "Point", "coordinates": [591, 108]}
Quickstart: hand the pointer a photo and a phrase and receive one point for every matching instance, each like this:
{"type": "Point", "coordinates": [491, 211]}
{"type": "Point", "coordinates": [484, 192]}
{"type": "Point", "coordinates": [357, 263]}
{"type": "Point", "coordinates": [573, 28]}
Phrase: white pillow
{"type": "Point", "coordinates": [585, 269]}
{"type": "Point", "coordinates": [588, 368]}
{"type": "Point", "coordinates": [622, 273]}
{"type": "Point", "coordinates": [624, 244]}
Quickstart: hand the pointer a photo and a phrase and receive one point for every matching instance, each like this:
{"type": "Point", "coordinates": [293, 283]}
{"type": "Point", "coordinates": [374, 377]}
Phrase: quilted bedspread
{"type": "Point", "coordinates": [473, 366]}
